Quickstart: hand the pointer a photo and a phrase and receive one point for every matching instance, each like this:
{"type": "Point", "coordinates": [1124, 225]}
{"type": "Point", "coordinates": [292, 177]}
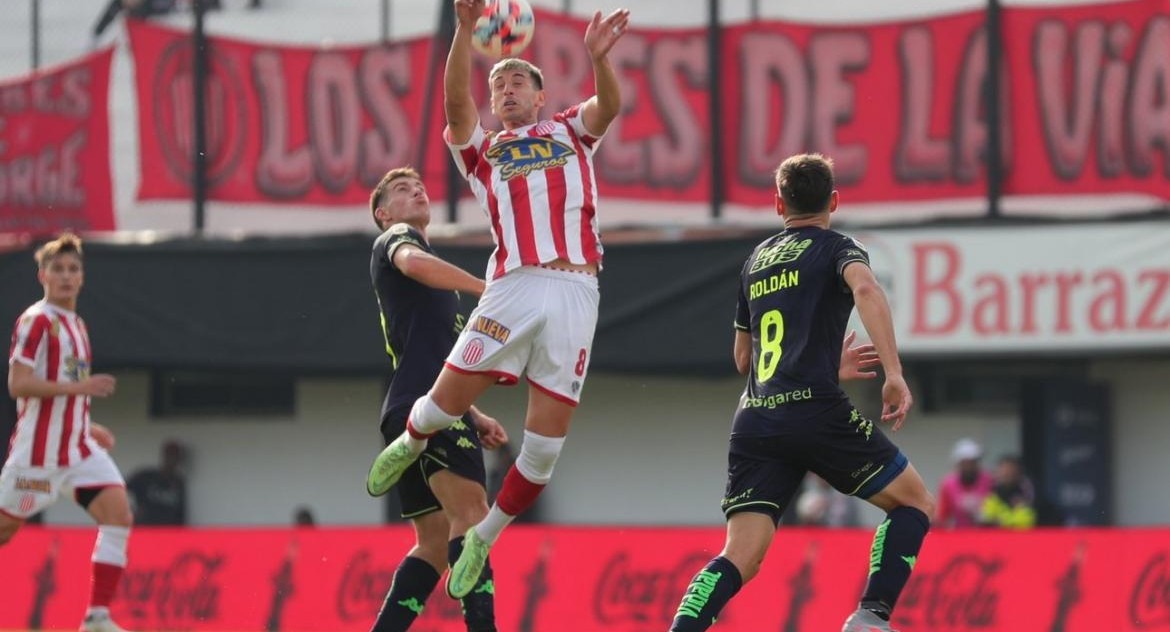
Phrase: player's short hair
{"type": "Point", "coordinates": [64, 244]}
{"type": "Point", "coordinates": [383, 184]}
{"type": "Point", "coordinates": [805, 183]}
{"type": "Point", "coordinates": [513, 63]}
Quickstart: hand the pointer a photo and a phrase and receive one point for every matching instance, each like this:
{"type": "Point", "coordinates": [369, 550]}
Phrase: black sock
{"type": "Point", "coordinates": [413, 582]}
{"type": "Point", "coordinates": [894, 553]}
{"type": "Point", "coordinates": [479, 606]}
{"type": "Point", "coordinates": [709, 591]}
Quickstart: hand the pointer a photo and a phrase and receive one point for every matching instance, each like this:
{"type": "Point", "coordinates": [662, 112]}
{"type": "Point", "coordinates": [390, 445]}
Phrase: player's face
{"type": "Point", "coordinates": [406, 201]}
{"type": "Point", "coordinates": [62, 278]}
{"type": "Point", "coordinates": [515, 99]}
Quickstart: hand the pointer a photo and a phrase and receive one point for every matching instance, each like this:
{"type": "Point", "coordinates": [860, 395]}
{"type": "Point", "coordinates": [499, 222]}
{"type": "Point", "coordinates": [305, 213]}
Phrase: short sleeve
{"type": "Point", "coordinates": [28, 338]}
{"type": "Point", "coordinates": [576, 122]}
{"type": "Point", "coordinates": [399, 235]}
{"type": "Point", "coordinates": [467, 155]}
{"type": "Point", "coordinates": [743, 316]}
{"type": "Point", "coordinates": [849, 251]}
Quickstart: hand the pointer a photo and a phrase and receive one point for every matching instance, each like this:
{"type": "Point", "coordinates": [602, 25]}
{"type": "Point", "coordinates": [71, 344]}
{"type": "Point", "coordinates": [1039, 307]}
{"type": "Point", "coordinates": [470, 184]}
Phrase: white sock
{"type": "Point", "coordinates": [492, 525]}
{"type": "Point", "coordinates": [111, 545]}
{"type": "Point", "coordinates": [101, 612]}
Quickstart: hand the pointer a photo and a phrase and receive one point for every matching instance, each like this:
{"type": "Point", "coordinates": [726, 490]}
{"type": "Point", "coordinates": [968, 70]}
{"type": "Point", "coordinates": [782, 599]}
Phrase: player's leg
{"type": "Point", "coordinates": [465, 502]}
{"type": "Point", "coordinates": [9, 525]}
{"type": "Point", "coordinates": [858, 459]}
{"type": "Point", "coordinates": [908, 506]}
{"type": "Point", "coordinates": [760, 484]}
{"type": "Point", "coordinates": [417, 574]}
{"type": "Point", "coordinates": [110, 508]}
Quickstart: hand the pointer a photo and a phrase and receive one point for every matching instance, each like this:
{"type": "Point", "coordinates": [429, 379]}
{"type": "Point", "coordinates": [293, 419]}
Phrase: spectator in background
{"type": "Point", "coordinates": [142, 9]}
{"type": "Point", "coordinates": [160, 493]}
{"type": "Point", "coordinates": [1010, 503]}
{"type": "Point", "coordinates": [819, 505]}
{"type": "Point", "coordinates": [303, 517]}
{"type": "Point", "coordinates": [962, 492]}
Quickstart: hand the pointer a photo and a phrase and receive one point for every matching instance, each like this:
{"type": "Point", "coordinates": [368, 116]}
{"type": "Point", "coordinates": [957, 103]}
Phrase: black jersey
{"type": "Point", "coordinates": [794, 301]}
{"type": "Point", "coordinates": [420, 323]}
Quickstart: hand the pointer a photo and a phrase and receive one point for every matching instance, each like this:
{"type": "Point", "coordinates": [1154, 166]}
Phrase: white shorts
{"type": "Point", "coordinates": [536, 321]}
{"type": "Point", "coordinates": [25, 491]}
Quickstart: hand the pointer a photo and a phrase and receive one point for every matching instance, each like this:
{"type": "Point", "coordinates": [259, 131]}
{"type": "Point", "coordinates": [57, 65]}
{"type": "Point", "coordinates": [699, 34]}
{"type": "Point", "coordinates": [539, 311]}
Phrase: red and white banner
{"type": "Point", "coordinates": [596, 579]}
{"type": "Point", "coordinates": [896, 104]}
{"type": "Point", "coordinates": [55, 149]}
{"type": "Point", "coordinates": [1011, 289]}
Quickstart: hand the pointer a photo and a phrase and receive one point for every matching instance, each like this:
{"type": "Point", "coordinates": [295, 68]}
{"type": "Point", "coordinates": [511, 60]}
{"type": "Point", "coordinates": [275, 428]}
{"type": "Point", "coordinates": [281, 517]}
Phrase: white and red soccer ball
{"type": "Point", "coordinates": [505, 28]}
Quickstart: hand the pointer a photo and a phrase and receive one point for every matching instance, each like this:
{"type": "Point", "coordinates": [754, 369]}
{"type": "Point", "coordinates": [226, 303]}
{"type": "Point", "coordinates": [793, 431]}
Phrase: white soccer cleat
{"type": "Point", "coordinates": [100, 623]}
{"type": "Point", "coordinates": [865, 621]}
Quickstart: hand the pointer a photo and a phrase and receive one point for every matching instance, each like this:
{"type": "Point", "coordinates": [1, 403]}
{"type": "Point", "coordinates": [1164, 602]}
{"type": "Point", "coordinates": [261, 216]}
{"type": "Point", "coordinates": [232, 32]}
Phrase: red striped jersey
{"type": "Point", "coordinates": [537, 187]}
{"type": "Point", "coordinates": [51, 431]}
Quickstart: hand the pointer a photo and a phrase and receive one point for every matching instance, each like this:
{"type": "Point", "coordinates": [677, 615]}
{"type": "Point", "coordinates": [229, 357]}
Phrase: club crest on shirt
{"type": "Point", "coordinates": [76, 369]}
{"type": "Point", "coordinates": [521, 156]}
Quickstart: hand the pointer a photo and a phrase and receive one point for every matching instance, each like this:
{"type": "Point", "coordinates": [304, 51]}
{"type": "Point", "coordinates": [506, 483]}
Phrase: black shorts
{"type": "Point", "coordinates": [456, 449]}
{"type": "Point", "coordinates": [842, 447]}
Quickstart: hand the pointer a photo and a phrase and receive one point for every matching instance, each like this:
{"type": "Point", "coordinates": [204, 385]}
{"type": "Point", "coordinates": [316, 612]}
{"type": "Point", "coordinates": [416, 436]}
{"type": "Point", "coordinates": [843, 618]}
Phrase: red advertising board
{"type": "Point", "coordinates": [595, 579]}
{"type": "Point", "coordinates": [55, 149]}
{"type": "Point", "coordinates": [898, 105]}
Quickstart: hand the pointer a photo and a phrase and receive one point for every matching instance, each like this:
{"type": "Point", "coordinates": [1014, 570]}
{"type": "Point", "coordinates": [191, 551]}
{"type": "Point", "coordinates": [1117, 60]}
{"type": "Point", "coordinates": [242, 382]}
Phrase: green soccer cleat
{"type": "Point", "coordinates": [465, 572]}
{"type": "Point", "coordinates": [389, 465]}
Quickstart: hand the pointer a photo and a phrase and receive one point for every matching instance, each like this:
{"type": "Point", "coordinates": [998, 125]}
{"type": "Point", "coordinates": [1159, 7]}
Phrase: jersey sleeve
{"type": "Point", "coordinates": [467, 155]}
{"type": "Point", "coordinates": [849, 251]}
{"type": "Point", "coordinates": [397, 236]}
{"type": "Point", "coordinates": [743, 316]}
{"type": "Point", "coordinates": [576, 122]}
{"type": "Point", "coordinates": [28, 339]}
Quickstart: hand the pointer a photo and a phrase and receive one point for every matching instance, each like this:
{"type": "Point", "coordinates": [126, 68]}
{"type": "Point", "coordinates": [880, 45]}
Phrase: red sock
{"type": "Point", "coordinates": [415, 433]}
{"type": "Point", "coordinates": [105, 584]}
{"type": "Point", "coordinates": [517, 493]}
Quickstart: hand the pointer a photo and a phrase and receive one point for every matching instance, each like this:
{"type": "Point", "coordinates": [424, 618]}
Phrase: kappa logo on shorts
{"type": "Point", "coordinates": [473, 351]}
{"type": "Point", "coordinates": [576, 386]}
{"type": "Point", "coordinates": [37, 485]}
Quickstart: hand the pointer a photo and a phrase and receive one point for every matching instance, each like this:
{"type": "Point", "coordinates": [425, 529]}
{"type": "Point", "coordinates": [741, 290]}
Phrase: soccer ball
{"type": "Point", "coordinates": [504, 29]}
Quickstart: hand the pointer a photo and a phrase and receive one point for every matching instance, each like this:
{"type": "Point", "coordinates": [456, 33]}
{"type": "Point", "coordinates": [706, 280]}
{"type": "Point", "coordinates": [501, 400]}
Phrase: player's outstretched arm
{"type": "Point", "coordinates": [600, 36]}
{"type": "Point", "coordinates": [23, 382]}
{"type": "Point", "coordinates": [432, 271]}
{"type": "Point", "coordinates": [879, 324]}
{"type": "Point", "coordinates": [462, 116]}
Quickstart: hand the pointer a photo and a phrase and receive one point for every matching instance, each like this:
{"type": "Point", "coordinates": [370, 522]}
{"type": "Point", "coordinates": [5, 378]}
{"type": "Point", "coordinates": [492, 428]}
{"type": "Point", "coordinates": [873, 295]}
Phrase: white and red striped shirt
{"type": "Point", "coordinates": [537, 187]}
{"type": "Point", "coordinates": [51, 431]}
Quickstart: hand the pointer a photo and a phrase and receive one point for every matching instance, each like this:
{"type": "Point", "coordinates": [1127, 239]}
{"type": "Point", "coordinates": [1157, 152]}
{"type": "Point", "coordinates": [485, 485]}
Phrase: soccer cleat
{"type": "Point", "coordinates": [99, 623]}
{"type": "Point", "coordinates": [389, 465]}
{"type": "Point", "coordinates": [465, 572]}
{"type": "Point", "coordinates": [865, 621]}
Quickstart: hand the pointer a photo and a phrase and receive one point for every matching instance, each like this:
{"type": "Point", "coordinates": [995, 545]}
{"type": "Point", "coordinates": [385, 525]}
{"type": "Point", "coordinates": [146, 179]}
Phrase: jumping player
{"type": "Point", "coordinates": [56, 448]}
{"type": "Point", "coordinates": [796, 292]}
{"type": "Point", "coordinates": [534, 180]}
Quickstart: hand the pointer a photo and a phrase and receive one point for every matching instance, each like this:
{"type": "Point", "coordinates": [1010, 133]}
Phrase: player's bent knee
{"type": "Point", "coordinates": [538, 457]}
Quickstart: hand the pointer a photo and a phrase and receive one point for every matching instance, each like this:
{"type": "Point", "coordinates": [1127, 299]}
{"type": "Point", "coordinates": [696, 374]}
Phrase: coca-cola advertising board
{"type": "Point", "coordinates": [608, 579]}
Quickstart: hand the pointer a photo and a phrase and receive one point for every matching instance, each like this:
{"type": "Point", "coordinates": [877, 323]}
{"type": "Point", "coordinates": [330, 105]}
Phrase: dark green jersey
{"type": "Point", "coordinates": [794, 301]}
{"type": "Point", "coordinates": [420, 323]}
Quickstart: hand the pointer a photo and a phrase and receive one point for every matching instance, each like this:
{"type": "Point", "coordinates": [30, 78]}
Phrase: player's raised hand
{"type": "Point", "coordinates": [896, 400]}
{"type": "Point", "coordinates": [602, 34]}
{"type": "Point", "coordinates": [491, 434]}
{"type": "Point", "coordinates": [854, 359]}
{"type": "Point", "coordinates": [102, 435]}
{"type": "Point", "coordinates": [98, 385]}
{"type": "Point", "coordinates": [468, 11]}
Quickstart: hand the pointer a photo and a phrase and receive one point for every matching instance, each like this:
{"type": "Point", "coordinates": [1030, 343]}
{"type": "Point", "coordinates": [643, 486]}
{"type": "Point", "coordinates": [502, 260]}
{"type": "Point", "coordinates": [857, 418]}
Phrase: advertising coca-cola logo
{"type": "Point", "coordinates": [961, 595]}
{"type": "Point", "coordinates": [175, 596]}
{"type": "Point", "coordinates": [627, 592]}
{"type": "Point", "coordinates": [1149, 602]}
{"type": "Point", "coordinates": [362, 587]}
